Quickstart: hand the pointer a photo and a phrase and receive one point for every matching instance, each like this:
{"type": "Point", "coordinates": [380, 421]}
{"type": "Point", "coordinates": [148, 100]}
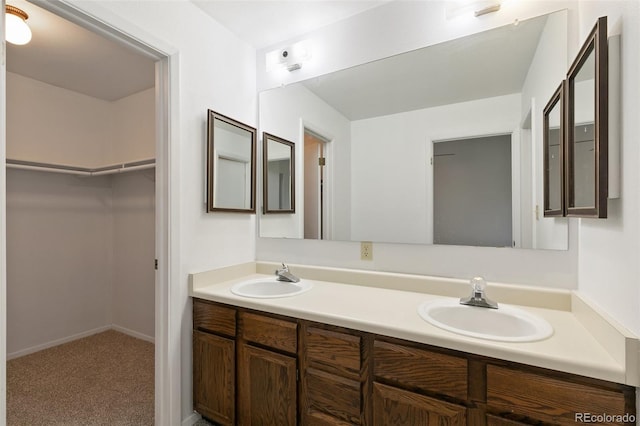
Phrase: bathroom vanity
{"type": "Point", "coordinates": [322, 358]}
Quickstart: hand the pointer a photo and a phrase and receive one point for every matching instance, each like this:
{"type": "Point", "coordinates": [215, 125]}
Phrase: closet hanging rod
{"type": "Point", "coordinates": [81, 171]}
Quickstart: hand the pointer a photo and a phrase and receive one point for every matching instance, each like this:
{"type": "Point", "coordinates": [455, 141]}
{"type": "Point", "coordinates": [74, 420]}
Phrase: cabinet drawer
{"type": "Point", "coordinates": [331, 396]}
{"type": "Point", "coordinates": [547, 398]}
{"type": "Point", "coordinates": [333, 351]}
{"type": "Point", "coordinates": [272, 332]}
{"type": "Point", "coordinates": [214, 318]}
{"type": "Point", "coordinates": [392, 406]}
{"type": "Point", "coordinates": [412, 367]}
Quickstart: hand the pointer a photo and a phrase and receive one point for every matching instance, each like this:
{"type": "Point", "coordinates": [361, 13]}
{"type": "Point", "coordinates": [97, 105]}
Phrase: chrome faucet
{"type": "Point", "coordinates": [283, 274]}
{"type": "Point", "coordinates": [478, 297]}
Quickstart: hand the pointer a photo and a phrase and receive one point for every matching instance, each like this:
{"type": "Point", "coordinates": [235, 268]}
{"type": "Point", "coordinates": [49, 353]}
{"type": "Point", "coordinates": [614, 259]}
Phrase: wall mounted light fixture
{"type": "Point", "coordinates": [16, 28]}
{"type": "Point", "coordinates": [455, 8]}
{"type": "Point", "coordinates": [288, 57]}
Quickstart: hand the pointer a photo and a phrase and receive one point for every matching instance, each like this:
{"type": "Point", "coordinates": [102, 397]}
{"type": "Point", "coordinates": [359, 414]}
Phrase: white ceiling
{"type": "Point", "coordinates": [263, 23]}
{"type": "Point", "coordinates": [66, 55]}
{"type": "Point", "coordinates": [482, 65]}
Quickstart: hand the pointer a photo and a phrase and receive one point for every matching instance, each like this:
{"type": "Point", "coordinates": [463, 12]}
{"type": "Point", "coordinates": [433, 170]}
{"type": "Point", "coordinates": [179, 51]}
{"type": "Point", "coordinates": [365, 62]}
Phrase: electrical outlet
{"type": "Point", "coordinates": [366, 250]}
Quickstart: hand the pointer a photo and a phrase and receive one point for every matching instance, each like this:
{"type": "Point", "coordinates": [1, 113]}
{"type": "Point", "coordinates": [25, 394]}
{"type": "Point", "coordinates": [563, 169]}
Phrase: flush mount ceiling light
{"type": "Point", "coordinates": [16, 28]}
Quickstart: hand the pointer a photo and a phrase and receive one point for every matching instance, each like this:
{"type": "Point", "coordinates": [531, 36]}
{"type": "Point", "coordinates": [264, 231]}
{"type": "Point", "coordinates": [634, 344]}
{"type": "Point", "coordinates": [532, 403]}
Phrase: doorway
{"type": "Point", "coordinates": [472, 178]}
{"type": "Point", "coordinates": [164, 404]}
{"type": "Point", "coordinates": [315, 185]}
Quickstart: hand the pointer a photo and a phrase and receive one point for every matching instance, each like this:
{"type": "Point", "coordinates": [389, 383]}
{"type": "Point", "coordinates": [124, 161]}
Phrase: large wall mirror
{"type": "Point", "coordinates": [231, 165]}
{"type": "Point", "coordinates": [278, 175]}
{"type": "Point", "coordinates": [554, 147]}
{"type": "Point", "coordinates": [587, 140]}
{"type": "Point", "coordinates": [374, 143]}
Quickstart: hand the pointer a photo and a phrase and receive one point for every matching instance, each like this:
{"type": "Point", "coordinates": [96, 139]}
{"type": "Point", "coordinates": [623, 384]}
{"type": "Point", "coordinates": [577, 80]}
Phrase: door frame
{"type": "Point", "coordinates": [167, 321]}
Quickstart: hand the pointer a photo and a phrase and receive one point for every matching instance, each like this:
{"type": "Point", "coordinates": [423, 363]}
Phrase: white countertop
{"type": "Point", "coordinates": [392, 312]}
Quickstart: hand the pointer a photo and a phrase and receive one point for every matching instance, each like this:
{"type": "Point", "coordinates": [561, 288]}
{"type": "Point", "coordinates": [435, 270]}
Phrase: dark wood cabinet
{"type": "Point", "coordinates": [334, 375]}
{"type": "Point", "coordinates": [255, 368]}
{"type": "Point", "coordinates": [393, 406]}
{"type": "Point", "coordinates": [214, 393]}
{"type": "Point", "coordinates": [267, 387]}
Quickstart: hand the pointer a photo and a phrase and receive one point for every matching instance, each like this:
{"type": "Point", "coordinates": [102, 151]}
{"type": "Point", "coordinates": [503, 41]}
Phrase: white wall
{"type": "Point", "coordinates": [548, 68]}
{"type": "Point", "coordinates": [392, 175]}
{"type": "Point", "coordinates": [59, 257]}
{"type": "Point", "coordinates": [134, 119]}
{"type": "Point", "coordinates": [53, 125]}
{"type": "Point", "coordinates": [288, 123]}
{"type": "Point", "coordinates": [133, 285]}
{"type": "Point", "coordinates": [608, 267]}
{"type": "Point", "coordinates": [81, 249]}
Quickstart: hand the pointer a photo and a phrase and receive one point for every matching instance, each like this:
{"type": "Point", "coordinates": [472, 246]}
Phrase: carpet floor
{"type": "Point", "coordinates": [104, 379]}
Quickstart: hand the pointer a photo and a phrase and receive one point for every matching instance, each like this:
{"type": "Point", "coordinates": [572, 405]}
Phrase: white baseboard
{"type": "Point", "coordinates": [194, 417]}
{"type": "Point", "coordinates": [47, 345]}
{"type": "Point", "coordinates": [57, 342]}
{"type": "Point", "coordinates": [133, 333]}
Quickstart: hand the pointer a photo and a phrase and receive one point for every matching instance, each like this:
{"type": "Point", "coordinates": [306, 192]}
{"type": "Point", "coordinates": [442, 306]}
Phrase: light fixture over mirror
{"type": "Point", "coordinates": [16, 28]}
{"type": "Point", "coordinates": [380, 125]}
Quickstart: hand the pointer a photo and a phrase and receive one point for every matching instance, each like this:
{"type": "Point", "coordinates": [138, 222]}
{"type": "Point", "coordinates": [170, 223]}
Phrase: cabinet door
{"type": "Point", "coordinates": [393, 406]}
{"type": "Point", "coordinates": [213, 377]}
{"type": "Point", "coordinates": [267, 388]}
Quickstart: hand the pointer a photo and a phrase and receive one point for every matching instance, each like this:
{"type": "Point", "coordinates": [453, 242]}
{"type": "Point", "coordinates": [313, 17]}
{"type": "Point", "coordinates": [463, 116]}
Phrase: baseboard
{"type": "Point", "coordinates": [194, 417]}
{"type": "Point", "coordinates": [57, 342]}
{"type": "Point", "coordinates": [132, 333]}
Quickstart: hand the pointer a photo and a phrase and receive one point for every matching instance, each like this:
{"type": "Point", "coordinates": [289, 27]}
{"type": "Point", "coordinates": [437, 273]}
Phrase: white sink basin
{"type": "Point", "coordinates": [265, 288]}
{"type": "Point", "coordinates": [505, 324]}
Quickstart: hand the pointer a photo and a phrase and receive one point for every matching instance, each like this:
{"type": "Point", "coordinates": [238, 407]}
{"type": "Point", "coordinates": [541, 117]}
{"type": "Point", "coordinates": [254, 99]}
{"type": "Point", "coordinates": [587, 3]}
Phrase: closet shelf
{"type": "Point", "coordinates": [82, 171]}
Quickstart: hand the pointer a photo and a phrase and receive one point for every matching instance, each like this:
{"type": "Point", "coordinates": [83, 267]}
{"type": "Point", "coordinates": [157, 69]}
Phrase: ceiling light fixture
{"type": "Point", "coordinates": [16, 28]}
{"type": "Point", "coordinates": [455, 8]}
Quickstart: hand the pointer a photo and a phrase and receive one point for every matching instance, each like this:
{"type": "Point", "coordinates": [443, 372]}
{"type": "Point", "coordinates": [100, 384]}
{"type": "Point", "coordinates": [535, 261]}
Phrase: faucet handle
{"type": "Point", "coordinates": [478, 284]}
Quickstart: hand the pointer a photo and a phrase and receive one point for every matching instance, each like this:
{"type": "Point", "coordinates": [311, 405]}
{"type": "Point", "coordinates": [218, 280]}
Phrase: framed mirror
{"type": "Point", "coordinates": [278, 175]}
{"type": "Point", "coordinates": [587, 127]}
{"type": "Point", "coordinates": [231, 165]}
{"type": "Point", "coordinates": [553, 155]}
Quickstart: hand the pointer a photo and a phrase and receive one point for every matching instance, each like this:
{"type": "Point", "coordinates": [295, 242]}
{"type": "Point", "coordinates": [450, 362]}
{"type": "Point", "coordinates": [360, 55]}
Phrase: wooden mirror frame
{"type": "Point", "coordinates": [596, 43]}
{"type": "Point", "coordinates": [266, 137]}
{"type": "Point", "coordinates": [212, 116]}
{"type": "Point", "coordinates": [557, 100]}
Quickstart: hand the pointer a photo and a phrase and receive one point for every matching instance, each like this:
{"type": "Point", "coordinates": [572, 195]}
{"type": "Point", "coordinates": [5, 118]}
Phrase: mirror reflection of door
{"type": "Point", "coordinates": [314, 185]}
{"type": "Point", "coordinates": [472, 191]}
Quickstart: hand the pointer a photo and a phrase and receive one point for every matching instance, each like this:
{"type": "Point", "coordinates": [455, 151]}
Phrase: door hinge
{"type": "Point", "coordinates": [322, 161]}
{"type": "Point", "coordinates": [297, 375]}
{"type": "Point", "coordinates": [156, 264]}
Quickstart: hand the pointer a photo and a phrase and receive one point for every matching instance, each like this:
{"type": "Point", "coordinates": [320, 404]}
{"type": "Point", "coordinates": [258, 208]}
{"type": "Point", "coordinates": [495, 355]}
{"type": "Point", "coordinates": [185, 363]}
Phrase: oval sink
{"type": "Point", "coordinates": [505, 324]}
{"type": "Point", "coordinates": [264, 288]}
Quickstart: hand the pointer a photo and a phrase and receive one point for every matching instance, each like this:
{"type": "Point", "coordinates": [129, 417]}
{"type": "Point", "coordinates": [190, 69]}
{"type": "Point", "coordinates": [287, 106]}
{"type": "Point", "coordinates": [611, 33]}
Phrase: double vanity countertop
{"type": "Point", "coordinates": [585, 341]}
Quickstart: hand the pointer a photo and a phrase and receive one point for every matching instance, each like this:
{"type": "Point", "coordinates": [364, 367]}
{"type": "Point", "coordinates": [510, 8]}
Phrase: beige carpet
{"type": "Point", "coordinates": [105, 379]}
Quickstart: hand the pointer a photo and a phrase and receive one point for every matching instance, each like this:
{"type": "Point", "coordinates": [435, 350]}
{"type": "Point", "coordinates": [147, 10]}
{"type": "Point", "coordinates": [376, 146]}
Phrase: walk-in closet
{"type": "Point", "coordinates": [80, 215]}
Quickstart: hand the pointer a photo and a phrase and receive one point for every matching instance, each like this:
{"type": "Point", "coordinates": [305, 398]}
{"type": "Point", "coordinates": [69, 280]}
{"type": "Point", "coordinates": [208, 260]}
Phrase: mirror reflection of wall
{"type": "Point", "coordinates": [554, 147]}
{"type": "Point", "coordinates": [279, 169]}
{"type": "Point", "coordinates": [384, 115]}
{"type": "Point", "coordinates": [584, 173]}
{"type": "Point", "coordinates": [230, 165]}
